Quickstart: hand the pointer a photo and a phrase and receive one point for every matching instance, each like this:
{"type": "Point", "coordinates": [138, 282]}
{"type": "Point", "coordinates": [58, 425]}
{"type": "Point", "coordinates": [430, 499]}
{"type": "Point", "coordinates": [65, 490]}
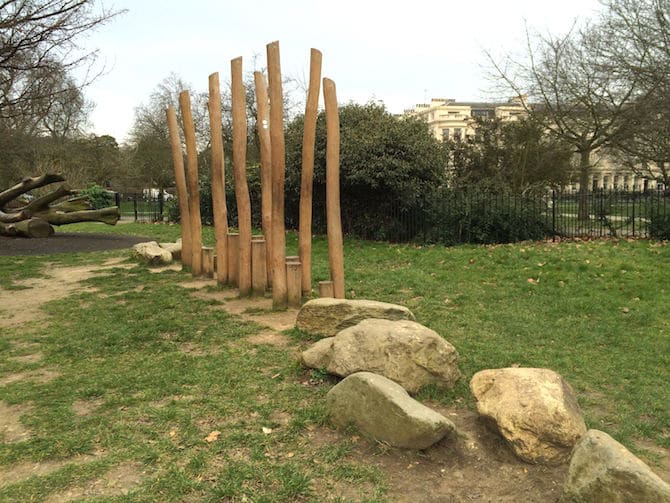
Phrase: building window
{"type": "Point", "coordinates": [445, 134]}
{"type": "Point", "coordinates": [457, 133]}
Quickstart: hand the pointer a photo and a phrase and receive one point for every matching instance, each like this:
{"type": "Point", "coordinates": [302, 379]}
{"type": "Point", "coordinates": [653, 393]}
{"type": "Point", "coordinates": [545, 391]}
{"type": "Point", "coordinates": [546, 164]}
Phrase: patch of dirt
{"type": "Point", "coordinates": [31, 358]}
{"type": "Point", "coordinates": [23, 306]}
{"type": "Point", "coordinates": [659, 459]}
{"type": "Point", "coordinates": [118, 481]}
{"type": "Point", "coordinates": [170, 267]}
{"type": "Point", "coordinates": [39, 376]}
{"type": "Point", "coordinates": [271, 338]}
{"type": "Point", "coordinates": [11, 429]}
{"type": "Point", "coordinates": [21, 471]}
{"type": "Point", "coordinates": [86, 407]}
{"type": "Point", "coordinates": [195, 349]}
{"type": "Point", "coordinates": [474, 465]}
{"type": "Point", "coordinates": [197, 283]}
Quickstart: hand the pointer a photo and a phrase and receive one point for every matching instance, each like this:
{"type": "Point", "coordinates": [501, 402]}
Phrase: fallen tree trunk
{"type": "Point", "coordinates": [36, 218]}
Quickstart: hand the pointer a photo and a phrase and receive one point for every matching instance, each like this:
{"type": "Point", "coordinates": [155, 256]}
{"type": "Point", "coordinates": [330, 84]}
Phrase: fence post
{"type": "Point", "coordinates": [135, 206]}
{"type": "Point", "coordinates": [553, 215]}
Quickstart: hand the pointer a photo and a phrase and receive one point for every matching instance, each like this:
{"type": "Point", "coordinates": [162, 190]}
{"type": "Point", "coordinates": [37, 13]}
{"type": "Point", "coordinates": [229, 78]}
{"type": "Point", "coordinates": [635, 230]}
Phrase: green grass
{"type": "Point", "coordinates": [596, 312]}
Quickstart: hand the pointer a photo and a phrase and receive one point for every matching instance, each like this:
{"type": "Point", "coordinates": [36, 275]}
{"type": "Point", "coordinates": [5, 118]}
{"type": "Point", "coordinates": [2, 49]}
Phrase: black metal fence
{"type": "Point", "coordinates": [457, 216]}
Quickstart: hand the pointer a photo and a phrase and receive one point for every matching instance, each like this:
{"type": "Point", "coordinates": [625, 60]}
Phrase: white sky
{"type": "Point", "coordinates": [400, 52]}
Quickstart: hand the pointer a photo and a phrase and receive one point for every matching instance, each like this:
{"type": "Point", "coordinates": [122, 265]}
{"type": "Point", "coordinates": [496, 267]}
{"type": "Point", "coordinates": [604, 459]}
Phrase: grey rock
{"type": "Point", "coordinates": [382, 410]}
{"type": "Point", "coordinates": [535, 410]}
{"type": "Point", "coordinates": [327, 316]}
{"type": "Point", "coordinates": [403, 351]}
{"type": "Point", "coordinates": [604, 471]}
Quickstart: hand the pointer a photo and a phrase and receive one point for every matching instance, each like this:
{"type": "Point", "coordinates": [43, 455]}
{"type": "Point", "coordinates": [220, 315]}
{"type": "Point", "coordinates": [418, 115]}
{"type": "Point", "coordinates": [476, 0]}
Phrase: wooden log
{"type": "Point", "coordinates": [293, 280]}
{"type": "Point", "coordinates": [182, 192]}
{"type": "Point", "coordinates": [240, 172]}
{"type": "Point", "coordinates": [326, 289]}
{"type": "Point", "coordinates": [263, 123]}
{"type": "Point", "coordinates": [208, 261]}
{"type": "Point", "coordinates": [28, 184]}
{"type": "Point", "coordinates": [307, 174]}
{"type": "Point", "coordinates": [192, 179]}
{"type": "Point", "coordinates": [108, 216]}
{"type": "Point", "coordinates": [233, 257]}
{"type": "Point", "coordinates": [259, 277]}
{"type": "Point", "coordinates": [219, 207]}
{"type": "Point", "coordinates": [333, 215]}
{"type": "Point", "coordinates": [31, 228]}
{"type": "Point", "coordinates": [279, 294]}
{"type": "Point", "coordinates": [42, 203]}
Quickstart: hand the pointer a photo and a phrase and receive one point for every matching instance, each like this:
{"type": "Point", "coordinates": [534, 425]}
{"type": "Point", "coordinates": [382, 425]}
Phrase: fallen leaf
{"type": "Point", "coordinates": [213, 436]}
{"type": "Point", "coordinates": [172, 433]}
{"type": "Point", "coordinates": [533, 281]}
{"type": "Point", "coordinates": [290, 454]}
{"type": "Point", "coordinates": [276, 375]}
{"type": "Point", "coordinates": [625, 310]}
{"type": "Point", "coordinates": [267, 431]}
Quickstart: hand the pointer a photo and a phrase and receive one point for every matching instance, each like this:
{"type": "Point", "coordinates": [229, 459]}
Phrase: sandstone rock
{"type": "Point", "coordinates": [535, 410]}
{"type": "Point", "coordinates": [173, 248]}
{"type": "Point", "coordinates": [604, 471]}
{"type": "Point", "coordinates": [151, 253]}
{"type": "Point", "coordinates": [403, 351]}
{"type": "Point", "coordinates": [328, 316]}
{"type": "Point", "coordinates": [383, 410]}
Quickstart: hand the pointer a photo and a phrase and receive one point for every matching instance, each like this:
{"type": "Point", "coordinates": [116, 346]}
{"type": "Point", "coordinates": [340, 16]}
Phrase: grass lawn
{"type": "Point", "coordinates": [156, 371]}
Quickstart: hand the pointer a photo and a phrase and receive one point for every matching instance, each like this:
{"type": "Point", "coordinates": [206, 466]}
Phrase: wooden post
{"type": "Point", "coordinates": [218, 179]}
{"type": "Point", "coordinates": [326, 289]}
{"type": "Point", "coordinates": [233, 258]}
{"type": "Point", "coordinates": [240, 171]}
{"type": "Point", "coordinates": [208, 261]}
{"type": "Point", "coordinates": [292, 258]}
{"type": "Point", "coordinates": [263, 122]}
{"type": "Point", "coordinates": [333, 215]}
{"type": "Point", "coordinates": [180, 180]}
{"type": "Point", "coordinates": [259, 276]}
{"type": "Point", "coordinates": [293, 290]}
{"type": "Point", "coordinates": [307, 174]}
{"type": "Point", "coordinates": [279, 294]}
{"type": "Point", "coordinates": [192, 178]}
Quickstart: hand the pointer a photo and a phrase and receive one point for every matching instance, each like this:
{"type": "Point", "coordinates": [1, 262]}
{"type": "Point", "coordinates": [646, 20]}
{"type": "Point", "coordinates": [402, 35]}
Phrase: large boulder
{"type": "Point", "coordinates": [152, 253]}
{"type": "Point", "coordinates": [383, 410]}
{"type": "Point", "coordinates": [328, 316]}
{"type": "Point", "coordinates": [604, 471]}
{"type": "Point", "coordinates": [173, 248]}
{"type": "Point", "coordinates": [535, 410]}
{"type": "Point", "coordinates": [403, 351]}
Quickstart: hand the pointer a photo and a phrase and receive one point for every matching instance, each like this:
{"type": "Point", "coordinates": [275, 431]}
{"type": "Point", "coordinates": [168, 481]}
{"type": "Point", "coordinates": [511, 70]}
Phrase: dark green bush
{"type": "Point", "coordinates": [659, 225]}
{"type": "Point", "coordinates": [99, 196]}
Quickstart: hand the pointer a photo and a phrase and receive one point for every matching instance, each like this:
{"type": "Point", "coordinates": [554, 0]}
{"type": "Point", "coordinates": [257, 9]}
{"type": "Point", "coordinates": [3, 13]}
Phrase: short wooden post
{"type": "Point", "coordinates": [239, 105]}
{"type": "Point", "coordinates": [293, 278]}
{"type": "Point", "coordinates": [333, 215]}
{"type": "Point", "coordinates": [233, 258]}
{"type": "Point", "coordinates": [259, 277]}
{"type": "Point", "coordinates": [192, 178]}
{"type": "Point", "coordinates": [292, 258]}
{"type": "Point", "coordinates": [279, 295]}
{"type": "Point", "coordinates": [218, 178]}
{"type": "Point", "coordinates": [263, 123]}
{"type": "Point", "coordinates": [307, 173]}
{"type": "Point", "coordinates": [325, 289]}
{"type": "Point", "coordinates": [182, 192]}
{"type": "Point", "coordinates": [208, 261]}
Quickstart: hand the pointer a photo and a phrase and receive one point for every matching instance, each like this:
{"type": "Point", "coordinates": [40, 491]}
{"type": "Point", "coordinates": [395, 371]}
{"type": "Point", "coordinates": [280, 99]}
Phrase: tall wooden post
{"type": "Point", "coordinates": [307, 175]}
{"type": "Point", "coordinates": [279, 294]}
{"type": "Point", "coordinates": [208, 261]}
{"type": "Point", "coordinates": [263, 122]}
{"type": "Point", "coordinates": [240, 172]}
{"type": "Point", "coordinates": [180, 180]}
{"type": "Point", "coordinates": [192, 179]}
{"type": "Point", "coordinates": [333, 215]}
{"type": "Point", "coordinates": [218, 180]}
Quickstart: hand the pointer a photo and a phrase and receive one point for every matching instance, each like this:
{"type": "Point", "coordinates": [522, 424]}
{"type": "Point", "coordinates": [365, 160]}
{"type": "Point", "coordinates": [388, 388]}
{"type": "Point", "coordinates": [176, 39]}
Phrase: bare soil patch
{"type": "Point", "coordinates": [22, 471]}
{"type": "Point", "coordinates": [39, 376]}
{"type": "Point", "coordinates": [270, 338]}
{"type": "Point", "coordinates": [118, 481]}
{"type": "Point", "coordinates": [11, 429]}
{"type": "Point", "coordinates": [30, 358]}
{"type": "Point", "coordinates": [86, 407]}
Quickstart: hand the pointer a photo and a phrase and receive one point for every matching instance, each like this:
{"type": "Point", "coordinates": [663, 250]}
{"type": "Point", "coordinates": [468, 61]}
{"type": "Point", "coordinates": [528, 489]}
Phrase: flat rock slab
{"type": "Point", "coordinates": [382, 410]}
{"type": "Point", "coordinates": [328, 316]}
{"type": "Point", "coordinates": [535, 410]}
{"type": "Point", "coordinates": [173, 248]}
{"type": "Point", "coordinates": [404, 351]}
{"type": "Point", "coordinates": [151, 253]}
{"type": "Point", "coordinates": [604, 471]}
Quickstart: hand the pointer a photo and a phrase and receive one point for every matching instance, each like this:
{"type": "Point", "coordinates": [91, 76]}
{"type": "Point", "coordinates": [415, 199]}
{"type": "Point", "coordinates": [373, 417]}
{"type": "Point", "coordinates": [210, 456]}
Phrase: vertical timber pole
{"type": "Point", "coordinates": [333, 215]}
{"type": "Point", "coordinates": [240, 172]}
{"type": "Point", "coordinates": [279, 294]}
{"type": "Point", "coordinates": [192, 179]}
{"type": "Point", "coordinates": [259, 276]}
{"type": "Point", "coordinates": [307, 175]}
{"type": "Point", "coordinates": [263, 122]}
{"type": "Point", "coordinates": [218, 181]}
{"type": "Point", "coordinates": [180, 180]}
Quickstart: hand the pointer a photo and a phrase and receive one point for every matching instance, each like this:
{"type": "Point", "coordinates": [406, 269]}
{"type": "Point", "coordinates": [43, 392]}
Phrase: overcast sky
{"type": "Point", "coordinates": [401, 53]}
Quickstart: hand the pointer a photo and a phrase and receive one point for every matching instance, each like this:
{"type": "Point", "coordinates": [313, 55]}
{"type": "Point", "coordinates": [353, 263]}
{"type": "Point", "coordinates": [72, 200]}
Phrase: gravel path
{"type": "Point", "coordinates": [63, 242]}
